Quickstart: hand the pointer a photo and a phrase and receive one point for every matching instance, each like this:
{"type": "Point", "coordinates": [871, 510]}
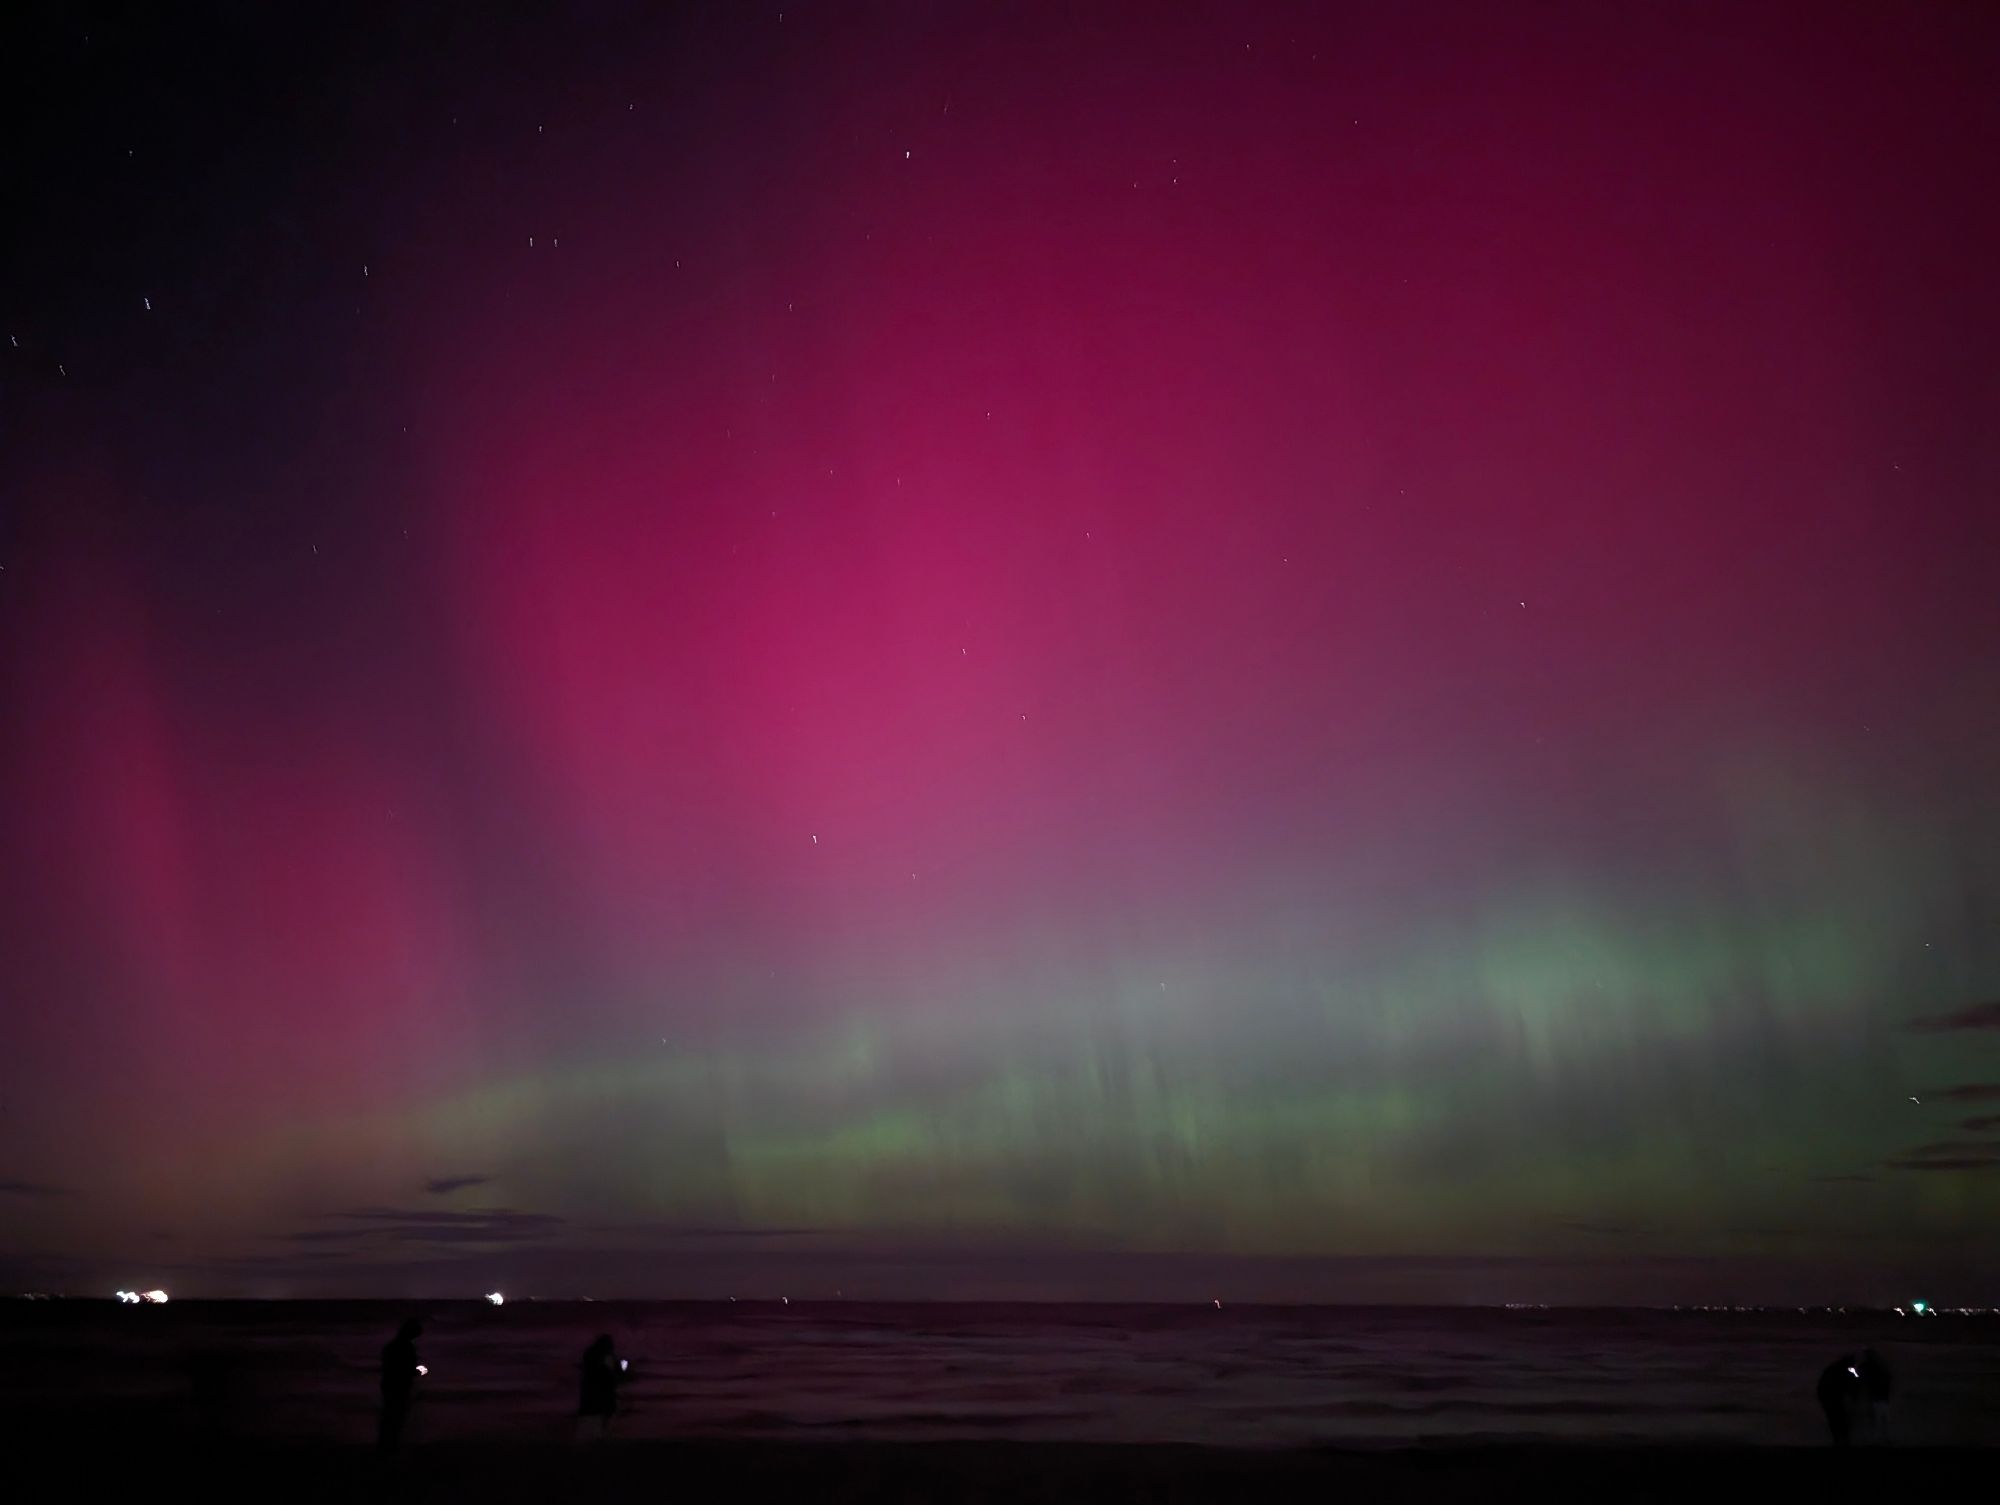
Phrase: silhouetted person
{"type": "Point", "coordinates": [1839, 1385]}
{"type": "Point", "coordinates": [400, 1370]}
{"type": "Point", "coordinates": [1876, 1385]}
{"type": "Point", "coordinates": [603, 1373]}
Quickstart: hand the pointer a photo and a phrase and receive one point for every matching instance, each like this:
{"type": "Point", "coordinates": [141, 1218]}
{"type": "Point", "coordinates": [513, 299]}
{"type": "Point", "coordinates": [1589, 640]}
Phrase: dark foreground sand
{"type": "Point", "coordinates": [73, 1464]}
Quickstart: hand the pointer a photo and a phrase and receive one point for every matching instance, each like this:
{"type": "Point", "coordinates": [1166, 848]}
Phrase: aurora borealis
{"type": "Point", "coordinates": [931, 648]}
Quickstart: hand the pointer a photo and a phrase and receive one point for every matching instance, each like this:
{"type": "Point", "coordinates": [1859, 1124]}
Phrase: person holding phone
{"type": "Point", "coordinates": [400, 1373]}
{"type": "Point", "coordinates": [603, 1373]}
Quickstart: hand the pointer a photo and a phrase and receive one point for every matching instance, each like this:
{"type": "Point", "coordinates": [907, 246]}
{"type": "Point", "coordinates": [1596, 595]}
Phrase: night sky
{"type": "Point", "coordinates": [1341, 651]}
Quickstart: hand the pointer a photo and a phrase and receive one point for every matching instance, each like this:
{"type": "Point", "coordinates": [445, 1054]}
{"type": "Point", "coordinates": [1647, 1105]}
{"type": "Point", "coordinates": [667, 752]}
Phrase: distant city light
{"type": "Point", "coordinates": [142, 1298]}
{"type": "Point", "coordinates": [496, 1298]}
{"type": "Point", "coordinates": [422, 1370]}
{"type": "Point", "coordinates": [1920, 1307]}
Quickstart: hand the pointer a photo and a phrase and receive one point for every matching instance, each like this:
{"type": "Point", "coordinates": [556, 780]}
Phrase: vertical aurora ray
{"type": "Point", "coordinates": [1270, 639]}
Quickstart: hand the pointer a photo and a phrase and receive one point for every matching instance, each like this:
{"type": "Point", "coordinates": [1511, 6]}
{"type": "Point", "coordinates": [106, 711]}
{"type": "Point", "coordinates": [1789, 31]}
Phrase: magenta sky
{"type": "Point", "coordinates": [915, 634]}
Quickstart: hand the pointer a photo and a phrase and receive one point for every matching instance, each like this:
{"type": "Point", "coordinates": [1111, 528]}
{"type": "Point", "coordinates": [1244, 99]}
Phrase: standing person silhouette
{"type": "Point", "coordinates": [1839, 1384]}
{"type": "Point", "coordinates": [1876, 1383]}
{"type": "Point", "coordinates": [400, 1373]}
{"type": "Point", "coordinates": [603, 1373]}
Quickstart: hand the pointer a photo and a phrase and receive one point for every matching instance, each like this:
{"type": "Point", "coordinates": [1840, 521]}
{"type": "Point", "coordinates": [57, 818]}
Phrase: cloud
{"type": "Point", "coordinates": [1847, 1179]}
{"type": "Point", "coordinates": [1981, 1124]}
{"type": "Point", "coordinates": [1966, 1092]}
{"type": "Point", "coordinates": [1973, 1016]}
{"type": "Point", "coordinates": [701, 1231]}
{"type": "Point", "coordinates": [444, 1186]}
{"type": "Point", "coordinates": [1949, 1155]}
{"type": "Point", "coordinates": [1939, 1147]}
{"type": "Point", "coordinates": [484, 1225]}
{"type": "Point", "coordinates": [34, 1189]}
{"type": "Point", "coordinates": [306, 1259]}
{"type": "Point", "coordinates": [1607, 1227]}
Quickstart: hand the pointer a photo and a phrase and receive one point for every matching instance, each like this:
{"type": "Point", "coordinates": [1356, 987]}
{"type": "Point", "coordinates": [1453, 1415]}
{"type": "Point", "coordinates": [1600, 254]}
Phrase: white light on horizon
{"type": "Point", "coordinates": [496, 1298]}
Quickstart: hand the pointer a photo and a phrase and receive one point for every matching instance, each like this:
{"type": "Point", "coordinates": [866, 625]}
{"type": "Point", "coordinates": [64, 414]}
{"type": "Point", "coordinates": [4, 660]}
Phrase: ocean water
{"type": "Point", "coordinates": [1242, 1376]}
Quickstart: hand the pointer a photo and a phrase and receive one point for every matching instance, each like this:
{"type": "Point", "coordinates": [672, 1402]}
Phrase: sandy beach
{"type": "Point", "coordinates": [92, 1465]}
